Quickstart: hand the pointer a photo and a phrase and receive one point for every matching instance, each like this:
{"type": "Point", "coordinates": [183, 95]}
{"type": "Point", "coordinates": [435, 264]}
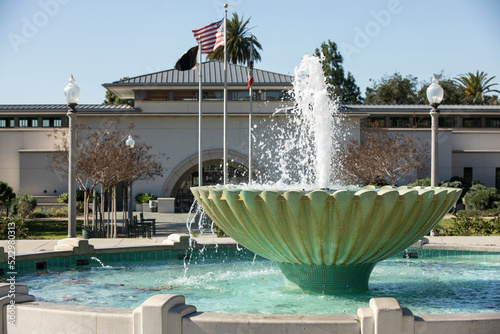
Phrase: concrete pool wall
{"type": "Point", "coordinates": [169, 314]}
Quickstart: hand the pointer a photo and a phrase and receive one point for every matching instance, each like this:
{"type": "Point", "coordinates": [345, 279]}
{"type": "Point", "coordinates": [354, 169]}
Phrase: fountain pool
{"type": "Point", "coordinates": [239, 283]}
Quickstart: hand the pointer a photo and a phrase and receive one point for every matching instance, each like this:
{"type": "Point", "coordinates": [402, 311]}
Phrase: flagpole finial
{"type": "Point", "coordinates": [225, 5]}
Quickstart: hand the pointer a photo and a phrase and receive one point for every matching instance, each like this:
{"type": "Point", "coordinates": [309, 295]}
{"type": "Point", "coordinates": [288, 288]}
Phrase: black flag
{"type": "Point", "coordinates": [188, 60]}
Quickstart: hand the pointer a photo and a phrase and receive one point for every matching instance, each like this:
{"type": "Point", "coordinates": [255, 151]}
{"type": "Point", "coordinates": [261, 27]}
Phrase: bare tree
{"type": "Point", "coordinates": [102, 158]}
{"type": "Point", "coordinates": [383, 157]}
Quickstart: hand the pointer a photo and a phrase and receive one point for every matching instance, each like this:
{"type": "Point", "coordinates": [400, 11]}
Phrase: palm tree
{"type": "Point", "coordinates": [238, 43]}
{"type": "Point", "coordinates": [476, 85]}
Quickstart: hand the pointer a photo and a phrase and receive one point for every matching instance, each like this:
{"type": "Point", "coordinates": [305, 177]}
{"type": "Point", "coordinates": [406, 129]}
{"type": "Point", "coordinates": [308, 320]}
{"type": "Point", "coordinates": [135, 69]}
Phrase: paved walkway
{"type": "Point", "coordinates": [167, 224]}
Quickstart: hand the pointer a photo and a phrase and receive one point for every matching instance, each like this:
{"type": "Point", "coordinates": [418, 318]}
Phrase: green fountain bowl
{"type": "Point", "coordinates": [327, 240]}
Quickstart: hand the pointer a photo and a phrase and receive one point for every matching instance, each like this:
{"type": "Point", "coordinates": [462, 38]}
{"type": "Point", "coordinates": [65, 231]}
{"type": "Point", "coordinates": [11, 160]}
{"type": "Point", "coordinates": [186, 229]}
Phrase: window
{"type": "Point", "coordinates": [376, 121]}
{"type": "Point", "coordinates": [468, 175]}
{"type": "Point", "coordinates": [51, 122]}
{"type": "Point", "coordinates": [493, 122]}
{"type": "Point", "coordinates": [446, 122]}
{"type": "Point", "coordinates": [185, 95]}
{"type": "Point", "coordinates": [472, 122]}
{"type": "Point", "coordinates": [28, 122]}
{"type": "Point", "coordinates": [277, 95]}
{"type": "Point", "coordinates": [213, 95]}
{"type": "Point", "coordinates": [7, 122]}
{"type": "Point", "coordinates": [157, 95]}
{"type": "Point", "coordinates": [423, 122]}
{"type": "Point", "coordinates": [240, 96]}
{"type": "Point", "coordinates": [399, 122]}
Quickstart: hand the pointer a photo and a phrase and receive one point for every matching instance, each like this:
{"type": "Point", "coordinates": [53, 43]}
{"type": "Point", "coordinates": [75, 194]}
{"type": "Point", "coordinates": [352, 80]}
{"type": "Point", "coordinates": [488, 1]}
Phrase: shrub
{"type": "Point", "coordinates": [12, 224]}
{"type": "Point", "coordinates": [63, 198]}
{"type": "Point", "coordinates": [144, 198]}
{"type": "Point", "coordinates": [463, 225]}
{"type": "Point", "coordinates": [421, 182]}
{"type": "Point", "coordinates": [23, 204]}
{"type": "Point", "coordinates": [480, 197]}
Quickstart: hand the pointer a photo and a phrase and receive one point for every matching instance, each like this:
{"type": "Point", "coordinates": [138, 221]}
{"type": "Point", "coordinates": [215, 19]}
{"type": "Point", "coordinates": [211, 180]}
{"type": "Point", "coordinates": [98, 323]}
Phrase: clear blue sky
{"type": "Point", "coordinates": [100, 41]}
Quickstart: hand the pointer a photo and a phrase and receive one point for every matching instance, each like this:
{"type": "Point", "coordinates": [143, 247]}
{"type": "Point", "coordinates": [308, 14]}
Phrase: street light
{"type": "Point", "coordinates": [72, 95]}
{"type": "Point", "coordinates": [130, 142]}
{"type": "Point", "coordinates": [435, 95]}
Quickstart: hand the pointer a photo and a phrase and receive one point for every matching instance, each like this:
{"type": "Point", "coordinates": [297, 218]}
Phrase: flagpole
{"type": "Point", "coordinates": [250, 117]}
{"type": "Point", "coordinates": [200, 99]}
{"type": "Point", "coordinates": [225, 97]}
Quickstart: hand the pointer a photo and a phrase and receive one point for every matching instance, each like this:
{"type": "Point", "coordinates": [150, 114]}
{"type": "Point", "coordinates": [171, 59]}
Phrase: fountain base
{"type": "Point", "coordinates": [328, 278]}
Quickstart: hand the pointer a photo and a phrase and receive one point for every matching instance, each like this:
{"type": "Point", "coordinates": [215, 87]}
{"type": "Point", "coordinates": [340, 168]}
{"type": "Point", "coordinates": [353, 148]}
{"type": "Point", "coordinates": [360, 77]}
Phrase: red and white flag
{"type": "Point", "coordinates": [212, 36]}
{"type": "Point", "coordinates": [250, 67]}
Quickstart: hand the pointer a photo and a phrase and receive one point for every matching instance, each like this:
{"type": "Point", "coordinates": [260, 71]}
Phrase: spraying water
{"type": "Point", "coordinates": [306, 143]}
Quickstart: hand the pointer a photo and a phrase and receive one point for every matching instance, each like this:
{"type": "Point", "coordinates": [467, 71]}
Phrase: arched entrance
{"type": "Point", "coordinates": [185, 175]}
{"type": "Point", "coordinates": [212, 174]}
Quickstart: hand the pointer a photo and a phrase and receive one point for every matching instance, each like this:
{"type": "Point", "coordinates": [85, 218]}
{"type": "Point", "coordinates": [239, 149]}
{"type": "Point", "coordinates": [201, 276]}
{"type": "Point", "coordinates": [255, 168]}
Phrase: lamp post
{"type": "Point", "coordinates": [72, 95]}
{"type": "Point", "coordinates": [435, 95]}
{"type": "Point", "coordinates": [130, 142]}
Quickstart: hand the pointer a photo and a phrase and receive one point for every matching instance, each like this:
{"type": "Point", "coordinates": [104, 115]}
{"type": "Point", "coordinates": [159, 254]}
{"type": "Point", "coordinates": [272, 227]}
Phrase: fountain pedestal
{"type": "Point", "coordinates": [328, 278]}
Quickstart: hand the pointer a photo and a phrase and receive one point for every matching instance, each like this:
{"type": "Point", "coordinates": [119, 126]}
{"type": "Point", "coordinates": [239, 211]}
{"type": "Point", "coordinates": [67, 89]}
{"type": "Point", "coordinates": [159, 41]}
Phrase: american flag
{"type": "Point", "coordinates": [212, 36]}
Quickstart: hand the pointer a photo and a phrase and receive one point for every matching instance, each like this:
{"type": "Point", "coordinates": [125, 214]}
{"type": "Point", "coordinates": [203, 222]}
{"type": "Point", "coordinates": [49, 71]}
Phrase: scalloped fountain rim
{"type": "Point", "coordinates": [327, 239]}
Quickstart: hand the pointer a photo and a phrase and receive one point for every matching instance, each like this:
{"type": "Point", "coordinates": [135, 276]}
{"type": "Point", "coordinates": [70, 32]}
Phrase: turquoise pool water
{"type": "Point", "coordinates": [247, 285]}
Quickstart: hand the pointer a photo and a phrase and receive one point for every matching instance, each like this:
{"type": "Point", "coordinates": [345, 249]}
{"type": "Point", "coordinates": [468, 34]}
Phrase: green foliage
{"type": "Point", "coordinates": [480, 197]}
{"type": "Point", "coordinates": [393, 89]}
{"type": "Point", "coordinates": [63, 198]}
{"type": "Point", "coordinates": [453, 94]}
{"type": "Point", "coordinates": [421, 183]}
{"type": "Point", "coordinates": [144, 198]}
{"type": "Point", "coordinates": [463, 225]}
{"type": "Point", "coordinates": [342, 86]}
{"type": "Point", "coordinates": [111, 98]}
{"type": "Point", "coordinates": [13, 227]}
{"type": "Point", "coordinates": [23, 204]}
{"type": "Point", "coordinates": [238, 43]}
{"type": "Point", "coordinates": [80, 197]}
{"type": "Point", "coordinates": [6, 194]}
{"type": "Point", "coordinates": [475, 86]}
{"type": "Point", "coordinates": [49, 213]}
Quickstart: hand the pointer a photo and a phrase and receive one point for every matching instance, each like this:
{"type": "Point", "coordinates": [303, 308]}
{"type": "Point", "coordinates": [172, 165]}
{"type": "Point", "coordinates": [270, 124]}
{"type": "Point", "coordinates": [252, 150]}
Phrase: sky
{"type": "Point", "coordinates": [43, 42]}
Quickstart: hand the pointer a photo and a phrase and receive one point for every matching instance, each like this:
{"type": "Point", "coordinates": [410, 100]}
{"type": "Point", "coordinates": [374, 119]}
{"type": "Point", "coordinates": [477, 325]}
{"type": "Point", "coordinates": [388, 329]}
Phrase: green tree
{"type": "Point", "coordinates": [6, 195]}
{"type": "Point", "coordinates": [111, 98]}
{"type": "Point", "coordinates": [342, 86]}
{"type": "Point", "coordinates": [453, 94]}
{"type": "Point", "coordinates": [476, 86]}
{"type": "Point", "coordinates": [238, 43]}
{"type": "Point", "coordinates": [393, 89]}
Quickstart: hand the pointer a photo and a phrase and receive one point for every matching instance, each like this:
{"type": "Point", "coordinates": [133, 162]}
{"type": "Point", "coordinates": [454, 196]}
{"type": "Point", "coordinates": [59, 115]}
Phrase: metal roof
{"type": "Point", "coordinates": [64, 107]}
{"type": "Point", "coordinates": [405, 108]}
{"type": "Point", "coordinates": [213, 74]}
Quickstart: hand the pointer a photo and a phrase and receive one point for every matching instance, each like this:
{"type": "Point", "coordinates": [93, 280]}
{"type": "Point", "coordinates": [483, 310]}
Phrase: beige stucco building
{"type": "Point", "coordinates": [165, 115]}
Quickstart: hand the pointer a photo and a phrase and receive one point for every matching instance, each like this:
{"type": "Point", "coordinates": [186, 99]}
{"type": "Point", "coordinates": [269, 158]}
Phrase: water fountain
{"type": "Point", "coordinates": [324, 237]}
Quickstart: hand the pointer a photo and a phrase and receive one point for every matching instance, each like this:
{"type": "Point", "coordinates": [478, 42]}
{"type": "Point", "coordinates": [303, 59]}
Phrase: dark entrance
{"type": "Point", "coordinates": [212, 174]}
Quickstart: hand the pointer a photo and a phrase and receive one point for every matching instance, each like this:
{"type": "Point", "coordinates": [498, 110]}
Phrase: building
{"type": "Point", "coordinates": [165, 115]}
